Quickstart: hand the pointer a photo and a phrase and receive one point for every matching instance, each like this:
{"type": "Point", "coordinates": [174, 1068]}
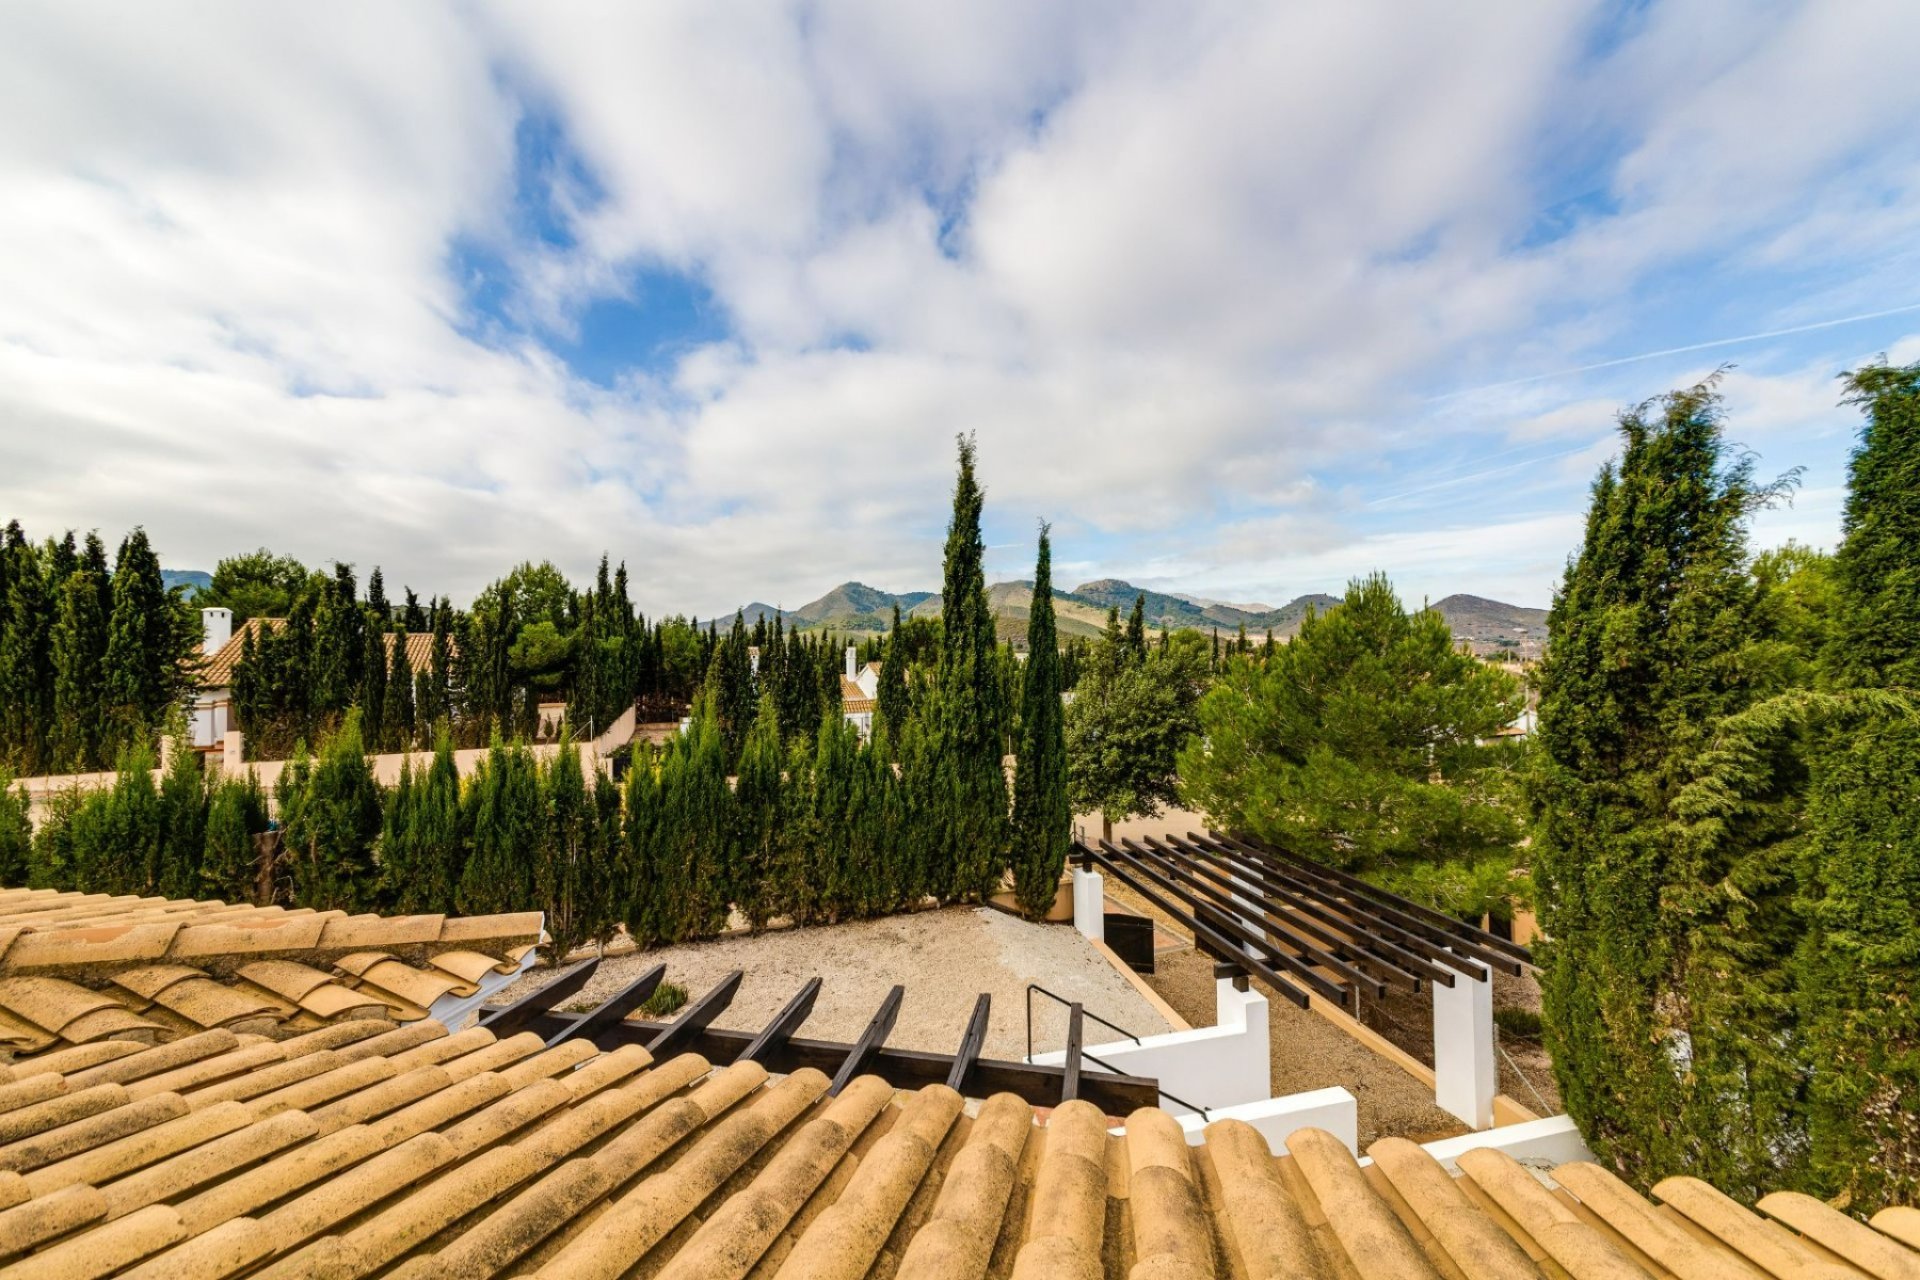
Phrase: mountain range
{"type": "Point", "coordinates": [1487, 626]}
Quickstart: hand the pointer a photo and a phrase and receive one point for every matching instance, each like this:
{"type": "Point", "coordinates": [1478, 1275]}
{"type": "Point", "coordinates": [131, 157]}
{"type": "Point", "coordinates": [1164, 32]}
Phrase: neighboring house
{"type": "Point", "coordinates": [860, 693]}
{"type": "Point", "coordinates": [211, 715]}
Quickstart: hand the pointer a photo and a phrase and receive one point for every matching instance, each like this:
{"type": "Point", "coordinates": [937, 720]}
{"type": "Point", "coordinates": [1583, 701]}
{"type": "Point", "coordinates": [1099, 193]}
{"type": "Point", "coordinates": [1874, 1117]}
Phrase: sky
{"type": "Point", "coordinates": [1245, 299]}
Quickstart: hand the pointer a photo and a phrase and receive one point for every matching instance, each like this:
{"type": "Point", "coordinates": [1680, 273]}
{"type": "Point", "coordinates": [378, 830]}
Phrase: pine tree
{"type": "Point", "coordinates": [1042, 819]}
{"type": "Point", "coordinates": [1860, 870]}
{"type": "Point", "coordinates": [230, 859]}
{"type": "Point", "coordinates": [1646, 658]}
{"type": "Point", "coordinates": [16, 834]}
{"type": "Point", "coordinates": [968, 833]}
{"type": "Point", "coordinates": [334, 833]}
{"type": "Point", "coordinates": [503, 825]}
{"type": "Point", "coordinates": [79, 646]}
{"type": "Point", "coordinates": [183, 837]}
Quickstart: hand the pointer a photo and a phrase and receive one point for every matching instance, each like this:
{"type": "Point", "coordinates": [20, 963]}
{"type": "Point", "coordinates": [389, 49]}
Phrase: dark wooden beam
{"type": "Point", "coordinates": [1076, 1035]}
{"type": "Point", "coordinates": [1115, 1095]}
{"type": "Point", "coordinates": [784, 1024]}
{"type": "Point", "coordinates": [613, 1009]}
{"type": "Point", "coordinates": [694, 1018]}
{"type": "Point", "coordinates": [511, 1019]}
{"type": "Point", "coordinates": [870, 1041]}
{"type": "Point", "coordinates": [970, 1044]}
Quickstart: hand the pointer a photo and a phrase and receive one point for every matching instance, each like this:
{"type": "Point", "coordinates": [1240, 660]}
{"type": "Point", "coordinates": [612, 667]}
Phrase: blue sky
{"type": "Point", "coordinates": [1246, 300]}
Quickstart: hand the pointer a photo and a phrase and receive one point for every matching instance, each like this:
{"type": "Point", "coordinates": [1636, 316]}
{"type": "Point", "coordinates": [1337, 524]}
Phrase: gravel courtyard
{"type": "Point", "coordinates": [944, 958]}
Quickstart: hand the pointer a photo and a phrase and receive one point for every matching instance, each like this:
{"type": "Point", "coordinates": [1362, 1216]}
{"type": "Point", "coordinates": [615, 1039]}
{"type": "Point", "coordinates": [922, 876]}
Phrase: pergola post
{"type": "Point", "coordinates": [1464, 1075]}
{"type": "Point", "coordinates": [1090, 903]}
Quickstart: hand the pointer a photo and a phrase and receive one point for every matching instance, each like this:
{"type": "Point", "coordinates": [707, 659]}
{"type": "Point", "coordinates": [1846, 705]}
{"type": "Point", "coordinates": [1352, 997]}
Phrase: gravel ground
{"type": "Point", "coordinates": [1308, 1051]}
{"type": "Point", "coordinates": [944, 958]}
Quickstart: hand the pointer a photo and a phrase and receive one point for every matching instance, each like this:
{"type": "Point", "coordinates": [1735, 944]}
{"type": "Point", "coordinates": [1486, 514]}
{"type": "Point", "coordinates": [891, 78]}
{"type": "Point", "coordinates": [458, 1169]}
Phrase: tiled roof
{"type": "Point", "coordinates": [853, 698]}
{"type": "Point", "coordinates": [412, 1153]}
{"type": "Point", "coordinates": [78, 969]}
{"type": "Point", "coordinates": [216, 670]}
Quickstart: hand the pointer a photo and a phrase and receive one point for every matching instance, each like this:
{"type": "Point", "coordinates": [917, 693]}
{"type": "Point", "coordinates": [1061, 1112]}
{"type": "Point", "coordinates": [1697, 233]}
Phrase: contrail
{"type": "Point", "coordinates": [1678, 351]}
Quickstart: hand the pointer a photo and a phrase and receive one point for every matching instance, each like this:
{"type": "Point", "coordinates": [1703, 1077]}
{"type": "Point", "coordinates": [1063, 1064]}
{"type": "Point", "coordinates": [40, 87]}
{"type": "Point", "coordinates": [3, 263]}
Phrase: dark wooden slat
{"type": "Point", "coordinates": [510, 1019]}
{"type": "Point", "coordinates": [1414, 952]}
{"type": "Point", "coordinates": [870, 1041]}
{"type": "Point", "coordinates": [1205, 881]}
{"type": "Point", "coordinates": [1290, 910]}
{"type": "Point", "coordinates": [970, 1044]}
{"type": "Point", "coordinates": [613, 1009]}
{"type": "Point", "coordinates": [1384, 917]}
{"type": "Point", "coordinates": [695, 1017]}
{"type": "Point", "coordinates": [1201, 932]}
{"type": "Point", "coordinates": [784, 1024]}
{"type": "Point", "coordinates": [1076, 1035]}
{"type": "Point", "coordinates": [1230, 924]}
{"type": "Point", "coordinates": [1439, 919]}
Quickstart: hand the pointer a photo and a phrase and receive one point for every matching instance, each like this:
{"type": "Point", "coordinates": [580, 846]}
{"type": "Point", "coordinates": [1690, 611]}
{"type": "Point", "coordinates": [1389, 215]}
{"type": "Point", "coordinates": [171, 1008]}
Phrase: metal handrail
{"type": "Point", "coordinates": [1060, 999]}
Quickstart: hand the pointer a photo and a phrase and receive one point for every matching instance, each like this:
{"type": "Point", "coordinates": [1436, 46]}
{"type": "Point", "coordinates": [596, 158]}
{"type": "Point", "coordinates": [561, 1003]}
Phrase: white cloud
{"type": "Point", "coordinates": [1194, 275]}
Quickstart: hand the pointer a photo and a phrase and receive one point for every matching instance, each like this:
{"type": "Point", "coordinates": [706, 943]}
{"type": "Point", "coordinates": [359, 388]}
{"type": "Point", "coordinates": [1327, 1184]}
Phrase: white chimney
{"type": "Point", "coordinates": [852, 670]}
{"type": "Point", "coordinates": [216, 626]}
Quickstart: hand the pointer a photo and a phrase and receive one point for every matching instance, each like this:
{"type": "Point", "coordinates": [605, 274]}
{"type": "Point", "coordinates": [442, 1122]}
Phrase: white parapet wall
{"type": "Point", "coordinates": [1277, 1119]}
{"type": "Point", "coordinates": [1218, 1066]}
{"type": "Point", "coordinates": [1538, 1144]}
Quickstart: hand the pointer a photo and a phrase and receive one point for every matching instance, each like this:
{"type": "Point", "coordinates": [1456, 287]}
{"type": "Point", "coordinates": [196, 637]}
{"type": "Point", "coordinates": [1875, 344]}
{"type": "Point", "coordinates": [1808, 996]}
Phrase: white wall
{"type": "Point", "coordinates": [1277, 1119]}
{"type": "Point", "coordinates": [1465, 1077]}
{"type": "Point", "coordinates": [1219, 1066]}
{"type": "Point", "coordinates": [1538, 1144]}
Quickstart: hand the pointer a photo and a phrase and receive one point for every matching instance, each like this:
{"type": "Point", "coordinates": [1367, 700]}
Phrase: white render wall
{"type": "Point", "coordinates": [1465, 1077]}
{"type": "Point", "coordinates": [1277, 1119]}
{"type": "Point", "coordinates": [1218, 1066]}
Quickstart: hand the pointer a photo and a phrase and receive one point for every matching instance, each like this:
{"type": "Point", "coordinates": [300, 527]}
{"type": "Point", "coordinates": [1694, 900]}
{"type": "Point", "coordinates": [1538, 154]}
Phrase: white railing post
{"type": "Point", "coordinates": [1089, 904]}
{"type": "Point", "coordinates": [1464, 1075]}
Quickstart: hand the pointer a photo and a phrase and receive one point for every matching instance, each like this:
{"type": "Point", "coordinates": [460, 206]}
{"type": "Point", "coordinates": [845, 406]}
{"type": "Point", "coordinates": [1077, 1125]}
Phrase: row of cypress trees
{"type": "Point", "coordinates": [1726, 844]}
{"type": "Point", "coordinates": [91, 658]}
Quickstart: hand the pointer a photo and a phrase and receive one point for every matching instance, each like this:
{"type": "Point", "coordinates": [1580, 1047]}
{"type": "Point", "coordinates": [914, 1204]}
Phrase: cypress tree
{"type": "Point", "coordinates": [503, 827]}
{"type": "Point", "coordinates": [565, 858]}
{"type": "Point", "coordinates": [78, 646]}
{"type": "Point", "coordinates": [412, 617]}
{"type": "Point", "coordinates": [1860, 872]}
{"type": "Point", "coordinates": [831, 876]}
{"type": "Point", "coordinates": [183, 805]}
{"type": "Point", "coordinates": [1645, 659]}
{"type": "Point", "coordinates": [149, 639]}
{"type": "Point", "coordinates": [400, 872]}
{"type": "Point", "coordinates": [16, 834]}
{"type": "Point", "coordinates": [643, 883]}
{"type": "Point", "coordinates": [891, 697]}
{"type": "Point", "coordinates": [372, 695]}
{"type": "Point", "coordinates": [759, 801]}
{"type": "Point", "coordinates": [51, 861]}
{"type": "Point", "coordinates": [693, 832]}
{"type": "Point", "coordinates": [439, 843]}
{"type": "Point", "coordinates": [377, 606]}
{"type": "Point", "coordinates": [1137, 629]}
{"type": "Point", "coordinates": [337, 827]}
{"type": "Point", "coordinates": [230, 860]}
{"type": "Point", "coordinates": [969, 833]}
{"type": "Point", "coordinates": [119, 841]}
{"type": "Point", "coordinates": [397, 713]}
{"type": "Point", "coordinates": [1042, 819]}
{"type": "Point", "coordinates": [26, 684]}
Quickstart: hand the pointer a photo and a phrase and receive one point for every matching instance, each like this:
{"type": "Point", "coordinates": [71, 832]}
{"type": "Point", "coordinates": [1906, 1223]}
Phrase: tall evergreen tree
{"type": "Point", "coordinates": [372, 695]}
{"type": "Point", "coordinates": [336, 827]}
{"type": "Point", "coordinates": [968, 834]}
{"type": "Point", "coordinates": [1860, 872]}
{"type": "Point", "coordinates": [183, 836]}
{"type": "Point", "coordinates": [1646, 657]}
{"type": "Point", "coordinates": [397, 714]}
{"type": "Point", "coordinates": [730, 688]}
{"type": "Point", "coordinates": [26, 684]}
{"type": "Point", "coordinates": [16, 834]}
{"type": "Point", "coordinates": [831, 877]}
{"type": "Point", "coordinates": [230, 860]}
{"type": "Point", "coordinates": [567, 858]}
{"type": "Point", "coordinates": [503, 824]}
{"type": "Point", "coordinates": [759, 797]}
{"type": "Point", "coordinates": [79, 645]}
{"type": "Point", "coordinates": [891, 697]}
{"type": "Point", "coordinates": [1042, 819]}
{"type": "Point", "coordinates": [643, 881]}
{"type": "Point", "coordinates": [694, 831]}
{"type": "Point", "coordinates": [1137, 628]}
{"type": "Point", "coordinates": [439, 842]}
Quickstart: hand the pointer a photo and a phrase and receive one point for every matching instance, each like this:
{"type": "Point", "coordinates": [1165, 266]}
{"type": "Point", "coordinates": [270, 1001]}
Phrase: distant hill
{"type": "Point", "coordinates": [194, 580]}
{"type": "Point", "coordinates": [1488, 626]}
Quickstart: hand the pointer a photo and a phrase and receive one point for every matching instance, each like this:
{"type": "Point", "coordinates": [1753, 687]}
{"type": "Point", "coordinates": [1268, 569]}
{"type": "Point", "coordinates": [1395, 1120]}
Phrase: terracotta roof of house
{"type": "Point", "coordinates": [78, 969]}
{"type": "Point", "coordinates": [216, 670]}
{"type": "Point", "coordinates": [853, 698]}
{"type": "Point", "coordinates": [355, 1150]}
